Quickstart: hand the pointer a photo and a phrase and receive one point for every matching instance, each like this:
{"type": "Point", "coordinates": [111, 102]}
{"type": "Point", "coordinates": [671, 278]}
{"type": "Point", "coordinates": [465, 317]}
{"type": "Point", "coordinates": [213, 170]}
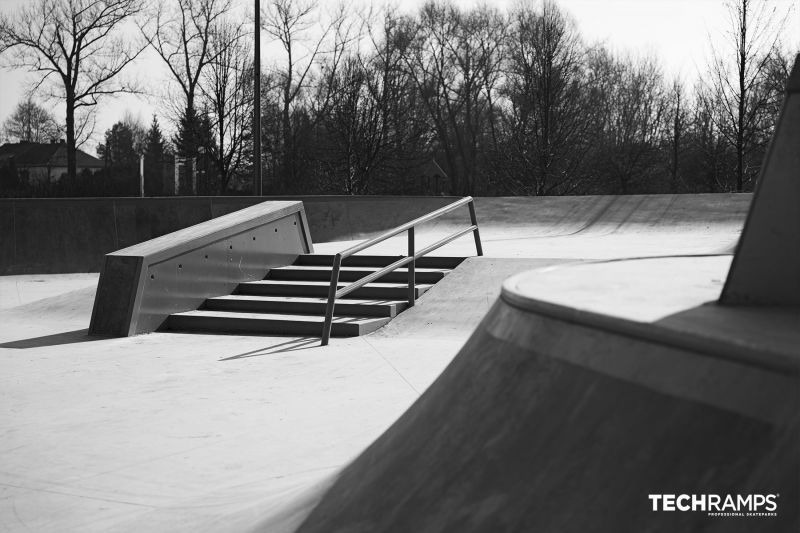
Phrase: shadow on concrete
{"type": "Point", "coordinates": [289, 346]}
{"type": "Point", "coordinates": [57, 339]}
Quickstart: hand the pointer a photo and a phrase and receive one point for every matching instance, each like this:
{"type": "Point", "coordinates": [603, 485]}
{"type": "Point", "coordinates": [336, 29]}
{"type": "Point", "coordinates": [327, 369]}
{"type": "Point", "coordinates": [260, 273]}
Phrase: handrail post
{"type": "Point", "coordinates": [474, 221]}
{"type": "Point", "coordinates": [328, 325]}
{"type": "Point", "coordinates": [412, 284]}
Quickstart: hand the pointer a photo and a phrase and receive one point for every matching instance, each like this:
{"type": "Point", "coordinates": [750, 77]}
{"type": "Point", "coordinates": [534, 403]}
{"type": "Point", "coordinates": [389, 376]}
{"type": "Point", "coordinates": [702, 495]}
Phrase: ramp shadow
{"type": "Point", "coordinates": [56, 339]}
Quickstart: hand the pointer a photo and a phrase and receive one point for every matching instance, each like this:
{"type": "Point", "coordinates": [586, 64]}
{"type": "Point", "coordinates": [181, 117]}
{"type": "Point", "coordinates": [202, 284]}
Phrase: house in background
{"type": "Point", "coordinates": [44, 163]}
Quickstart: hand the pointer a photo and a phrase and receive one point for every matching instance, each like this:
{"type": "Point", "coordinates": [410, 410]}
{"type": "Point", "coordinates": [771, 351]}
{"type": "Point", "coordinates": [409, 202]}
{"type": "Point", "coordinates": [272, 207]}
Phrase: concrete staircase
{"type": "Point", "coordinates": [291, 300]}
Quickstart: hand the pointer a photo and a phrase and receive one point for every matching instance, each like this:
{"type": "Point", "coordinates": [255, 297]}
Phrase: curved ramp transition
{"type": "Point", "coordinates": [557, 417]}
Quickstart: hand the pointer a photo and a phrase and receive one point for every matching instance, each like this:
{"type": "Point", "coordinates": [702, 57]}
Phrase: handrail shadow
{"type": "Point", "coordinates": [289, 346]}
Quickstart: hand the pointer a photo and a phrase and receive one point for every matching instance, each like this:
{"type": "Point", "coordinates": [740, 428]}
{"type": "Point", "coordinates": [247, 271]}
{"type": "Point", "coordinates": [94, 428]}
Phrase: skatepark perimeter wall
{"type": "Point", "coordinates": [49, 236]}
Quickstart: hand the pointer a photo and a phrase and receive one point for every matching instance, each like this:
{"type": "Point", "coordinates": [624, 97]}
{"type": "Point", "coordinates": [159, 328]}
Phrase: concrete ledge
{"type": "Point", "coordinates": [667, 300]}
{"type": "Point", "coordinates": [141, 285]}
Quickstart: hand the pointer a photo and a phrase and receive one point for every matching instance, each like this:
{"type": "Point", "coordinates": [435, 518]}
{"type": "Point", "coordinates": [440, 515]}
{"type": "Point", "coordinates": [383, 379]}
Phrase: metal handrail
{"type": "Point", "coordinates": [334, 292]}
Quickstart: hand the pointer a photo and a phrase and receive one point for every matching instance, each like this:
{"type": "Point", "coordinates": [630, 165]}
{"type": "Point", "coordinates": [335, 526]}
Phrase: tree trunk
{"type": "Point", "coordinates": [742, 97]}
{"type": "Point", "coordinates": [71, 159]}
{"type": "Point", "coordinates": [676, 139]}
{"type": "Point", "coordinates": [287, 145]}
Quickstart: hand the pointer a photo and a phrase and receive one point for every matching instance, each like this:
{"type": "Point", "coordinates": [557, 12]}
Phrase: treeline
{"type": "Point", "coordinates": [447, 100]}
{"type": "Point", "coordinates": [478, 101]}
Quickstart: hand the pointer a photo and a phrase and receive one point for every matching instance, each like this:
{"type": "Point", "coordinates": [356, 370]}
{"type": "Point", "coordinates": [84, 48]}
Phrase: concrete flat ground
{"type": "Point", "coordinates": [179, 432]}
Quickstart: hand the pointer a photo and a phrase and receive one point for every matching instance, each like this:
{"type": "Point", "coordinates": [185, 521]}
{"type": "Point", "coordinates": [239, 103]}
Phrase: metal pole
{"type": "Point", "coordinates": [141, 176]}
{"type": "Point", "coordinates": [258, 187]}
{"type": "Point", "coordinates": [412, 282]}
{"type": "Point", "coordinates": [328, 324]}
{"type": "Point", "coordinates": [476, 233]}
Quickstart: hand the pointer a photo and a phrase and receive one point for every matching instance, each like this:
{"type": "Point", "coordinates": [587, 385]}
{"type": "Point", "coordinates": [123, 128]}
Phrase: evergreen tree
{"type": "Point", "coordinates": [154, 161]}
{"type": "Point", "coordinates": [185, 140]}
{"type": "Point", "coordinates": [120, 157]}
{"type": "Point", "coordinates": [118, 150]}
{"type": "Point", "coordinates": [207, 176]}
{"type": "Point", "coordinates": [195, 142]}
{"type": "Point", "coordinates": [186, 144]}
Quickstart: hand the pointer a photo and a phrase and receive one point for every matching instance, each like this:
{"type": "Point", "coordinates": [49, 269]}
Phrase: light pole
{"type": "Point", "coordinates": [258, 187]}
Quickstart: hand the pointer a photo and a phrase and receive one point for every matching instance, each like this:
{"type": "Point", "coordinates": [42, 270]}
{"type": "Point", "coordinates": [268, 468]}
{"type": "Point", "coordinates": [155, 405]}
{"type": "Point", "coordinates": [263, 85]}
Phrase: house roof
{"type": "Point", "coordinates": [28, 154]}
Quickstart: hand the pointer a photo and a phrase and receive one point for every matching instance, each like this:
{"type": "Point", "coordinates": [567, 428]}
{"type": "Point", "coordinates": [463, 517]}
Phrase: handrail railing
{"type": "Point", "coordinates": [334, 292]}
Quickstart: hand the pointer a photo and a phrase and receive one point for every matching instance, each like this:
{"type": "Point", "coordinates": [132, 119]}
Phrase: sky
{"type": "Point", "coordinates": [677, 32]}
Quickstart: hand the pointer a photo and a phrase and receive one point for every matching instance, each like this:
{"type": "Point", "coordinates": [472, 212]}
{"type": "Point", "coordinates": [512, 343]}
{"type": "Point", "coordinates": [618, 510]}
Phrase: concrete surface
{"type": "Point", "coordinates": [678, 294]}
{"type": "Point", "coordinates": [176, 432]}
{"type": "Point", "coordinates": [24, 289]}
{"type": "Point", "coordinates": [588, 227]}
{"type": "Point", "coordinates": [549, 421]}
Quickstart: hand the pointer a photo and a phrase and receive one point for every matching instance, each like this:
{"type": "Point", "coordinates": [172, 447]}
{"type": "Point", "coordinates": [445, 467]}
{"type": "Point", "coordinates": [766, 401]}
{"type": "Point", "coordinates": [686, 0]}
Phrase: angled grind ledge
{"type": "Point", "coordinates": [140, 286]}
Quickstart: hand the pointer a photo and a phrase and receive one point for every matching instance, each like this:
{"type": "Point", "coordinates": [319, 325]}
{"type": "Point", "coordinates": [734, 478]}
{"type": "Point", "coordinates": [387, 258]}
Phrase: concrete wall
{"type": "Point", "coordinates": [47, 236]}
{"type": "Point", "coordinates": [41, 236]}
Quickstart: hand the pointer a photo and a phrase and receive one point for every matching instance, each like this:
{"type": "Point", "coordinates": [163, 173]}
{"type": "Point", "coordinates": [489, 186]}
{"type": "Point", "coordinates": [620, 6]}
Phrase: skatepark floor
{"type": "Point", "coordinates": [188, 432]}
{"type": "Point", "coordinates": [184, 432]}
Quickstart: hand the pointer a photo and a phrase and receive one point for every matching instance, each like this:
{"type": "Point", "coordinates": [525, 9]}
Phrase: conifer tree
{"type": "Point", "coordinates": [154, 160]}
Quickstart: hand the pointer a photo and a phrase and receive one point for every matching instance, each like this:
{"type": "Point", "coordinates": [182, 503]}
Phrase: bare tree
{"type": "Point", "coordinates": [182, 39]}
{"type": "Point", "coordinates": [228, 90]}
{"type": "Point", "coordinates": [77, 46]}
{"type": "Point", "coordinates": [373, 126]}
{"type": "Point", "coordinates": [735, 82]}
{"type": "Point", "coordinates": [456, 63]}
{"type": "Point", "coordinates": [138, 130]}
{"type": "Point", "coordinates": [677, 118]}
{"type": "Point", "coordinates": [31, 122]}
{"type": "Point", "coordinates": [633, 107]}
{"type": "Point", "coordinates": [548, 120]}
{"type": "Point", "coordinates": [709, 160]}
{"type": "Point", "coordinates": [292, 23]}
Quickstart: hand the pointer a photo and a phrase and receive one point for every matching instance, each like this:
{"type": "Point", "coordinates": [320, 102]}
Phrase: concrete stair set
{"type": "Point", "coordinates": [291, 300]}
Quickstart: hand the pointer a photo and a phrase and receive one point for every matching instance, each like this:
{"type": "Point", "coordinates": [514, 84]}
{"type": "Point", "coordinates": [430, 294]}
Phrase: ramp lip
{"type": "Point", "coordinates": [764, 358]}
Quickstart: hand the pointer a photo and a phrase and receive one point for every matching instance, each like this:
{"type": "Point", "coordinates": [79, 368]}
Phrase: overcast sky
{"type": "Point", "coordinates": [678, 32]}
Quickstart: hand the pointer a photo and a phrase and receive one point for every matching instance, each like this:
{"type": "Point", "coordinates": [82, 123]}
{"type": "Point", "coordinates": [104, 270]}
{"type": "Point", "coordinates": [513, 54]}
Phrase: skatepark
{"type": "Point", "coordinates": [179, 431]}
{"type": "Point", "coordinates": [551, 384]}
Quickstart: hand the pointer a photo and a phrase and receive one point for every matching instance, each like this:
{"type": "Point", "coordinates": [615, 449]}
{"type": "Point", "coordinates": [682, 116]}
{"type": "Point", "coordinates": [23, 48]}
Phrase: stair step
{"type": "Point", "coordinates": [274, 287]}
{"type": "Point", "coordinates": [299, 305]}
{"type": "Point", "coordinates": [323, 273]}
{"type": "Point", "coordinates": [279, 324]}
{"type": "Point", "coordinates": [429, 261]}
